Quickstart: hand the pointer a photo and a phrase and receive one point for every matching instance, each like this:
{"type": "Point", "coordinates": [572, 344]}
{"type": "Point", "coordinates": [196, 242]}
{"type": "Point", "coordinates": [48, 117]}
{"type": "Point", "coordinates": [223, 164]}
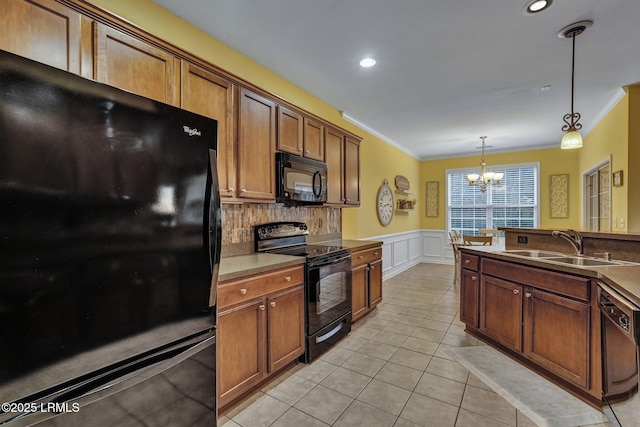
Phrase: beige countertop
{"type": "Point", "coordinates": [247, 265]}
{"type": "Point", "coordinates": [625, 278]}
{"type": "Point", "coordinates": [239, 266]}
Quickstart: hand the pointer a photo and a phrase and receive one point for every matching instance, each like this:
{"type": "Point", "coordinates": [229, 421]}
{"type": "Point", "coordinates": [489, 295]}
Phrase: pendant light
{"type": "Point", "coordinates": [484, 178]}
{"type": "Point", "coordinates": [572, 138]}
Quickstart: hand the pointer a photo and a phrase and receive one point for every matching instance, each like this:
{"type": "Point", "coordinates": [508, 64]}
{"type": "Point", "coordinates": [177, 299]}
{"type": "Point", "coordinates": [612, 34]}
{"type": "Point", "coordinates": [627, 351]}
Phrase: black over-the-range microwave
{"type": "Point", "coordinates": [300, 180]}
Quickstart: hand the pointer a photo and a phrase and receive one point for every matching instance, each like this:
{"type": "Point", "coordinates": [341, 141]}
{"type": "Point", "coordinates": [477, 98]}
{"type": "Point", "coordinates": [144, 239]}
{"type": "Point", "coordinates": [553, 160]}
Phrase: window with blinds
{"type": "Point", "coordinates": [511, 203]}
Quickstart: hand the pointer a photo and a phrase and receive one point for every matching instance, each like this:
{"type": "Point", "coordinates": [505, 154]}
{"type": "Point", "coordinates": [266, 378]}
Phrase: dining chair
{"type": "Point", "coordinates": [495, 233]}
{"type": "Point", "coordinates": [477, 240]}
{"type": "Point", "coordinates": [456, 242]}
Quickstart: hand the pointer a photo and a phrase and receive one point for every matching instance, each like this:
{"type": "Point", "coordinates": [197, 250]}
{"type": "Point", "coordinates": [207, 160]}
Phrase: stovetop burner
{"type": "Point", "coordinates": [290, 238]}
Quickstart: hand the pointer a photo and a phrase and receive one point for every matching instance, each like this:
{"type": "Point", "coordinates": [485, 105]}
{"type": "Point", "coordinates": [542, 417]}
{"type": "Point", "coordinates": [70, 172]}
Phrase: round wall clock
{"type": "Point", "coordinates": [384, 204]}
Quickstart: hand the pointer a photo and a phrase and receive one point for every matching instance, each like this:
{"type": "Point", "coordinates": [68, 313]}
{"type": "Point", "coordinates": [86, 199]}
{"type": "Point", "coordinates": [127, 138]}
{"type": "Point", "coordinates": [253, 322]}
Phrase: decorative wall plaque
{"type": "Point", "coordinates": [559, 195]}
{"type": "Point", "coordinates": [432, 198]}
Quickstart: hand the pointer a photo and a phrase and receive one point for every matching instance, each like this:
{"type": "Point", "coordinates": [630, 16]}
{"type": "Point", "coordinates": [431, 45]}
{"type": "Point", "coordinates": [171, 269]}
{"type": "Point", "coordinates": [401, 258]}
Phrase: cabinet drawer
{"type": "Point", "coordinates": [470, 262]}
{"type": "Point", "coordinates": [564, 284]}
{"type": "Point", "coordinates": [365, 257]}
{"type": "Point", "coordinates": [237, 291]}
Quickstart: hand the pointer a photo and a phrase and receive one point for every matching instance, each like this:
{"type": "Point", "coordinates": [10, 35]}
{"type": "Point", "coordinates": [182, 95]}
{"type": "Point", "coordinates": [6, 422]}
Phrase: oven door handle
{"type": "Point", "coordinates": [335, 261]}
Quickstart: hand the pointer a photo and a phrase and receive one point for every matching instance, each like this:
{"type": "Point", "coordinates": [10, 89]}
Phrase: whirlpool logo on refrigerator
{"type": "Point", "coordinates": [191, 132]}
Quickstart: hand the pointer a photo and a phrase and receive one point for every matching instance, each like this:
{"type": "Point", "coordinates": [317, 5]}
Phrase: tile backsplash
{"type": "Point", "coordinates": [238, 220]}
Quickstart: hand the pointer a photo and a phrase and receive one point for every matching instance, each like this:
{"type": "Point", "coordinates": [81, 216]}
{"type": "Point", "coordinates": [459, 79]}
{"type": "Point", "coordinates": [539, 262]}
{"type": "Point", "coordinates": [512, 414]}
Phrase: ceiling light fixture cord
{"type": "Point", "coordinates": [571, 120]}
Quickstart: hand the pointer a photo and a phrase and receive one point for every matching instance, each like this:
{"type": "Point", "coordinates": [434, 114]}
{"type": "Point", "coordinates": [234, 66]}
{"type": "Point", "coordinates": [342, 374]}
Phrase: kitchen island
{"type": "Point", "coordinates": [544, 313]}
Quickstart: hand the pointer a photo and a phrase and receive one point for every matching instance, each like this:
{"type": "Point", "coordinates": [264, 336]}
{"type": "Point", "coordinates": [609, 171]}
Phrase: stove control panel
{"type": "Point", "coordinates": [276, 230]}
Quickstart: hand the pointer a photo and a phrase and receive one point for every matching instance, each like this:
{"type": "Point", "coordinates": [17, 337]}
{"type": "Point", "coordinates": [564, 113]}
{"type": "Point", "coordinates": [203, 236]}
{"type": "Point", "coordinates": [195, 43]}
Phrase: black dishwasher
{"type": "Point", "coordinates": [620, 339]}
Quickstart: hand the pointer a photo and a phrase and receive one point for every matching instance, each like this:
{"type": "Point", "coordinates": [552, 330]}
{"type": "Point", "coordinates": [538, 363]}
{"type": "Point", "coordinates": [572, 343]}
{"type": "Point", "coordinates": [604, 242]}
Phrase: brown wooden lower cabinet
{"type": "Point", "coordinates": [260, 330]}
{"type": "Point", "coordinates": [469, 297]}
{"type": "Point", "coordinates": [546, 319]}
{"type": "Point", "coordinates": [366, 281]}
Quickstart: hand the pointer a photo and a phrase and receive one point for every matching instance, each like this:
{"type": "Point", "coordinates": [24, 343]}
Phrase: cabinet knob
{"type": "Point", "coordinates": [262, 307]}
{"type": "Point", "coordinates": [516, 292]}
{"type": "Point", "coordinates": [466, 261]}
{"type": "Point", "coordinates": [231, 190]}
{"type": "Point", "coordinates": [243, 291]}
{"type": "Point", "coordinates": [372, 267]}
{"type": "Point", "coordinates": [287, 279]}
{"type": "Point", "coordinates": [272, 304]}
{"type": "Point", "coordinates": [528, 294]}
{"type": "Point", "coordinates": [375, 253]}
{"type": "Point", "coordinates": [244, 190]}
{"type": "Point", "coordinates": [474, 278]}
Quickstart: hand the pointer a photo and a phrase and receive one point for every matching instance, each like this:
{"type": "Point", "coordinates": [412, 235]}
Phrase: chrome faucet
{"type": "Point", "coordinates": [573, 237]}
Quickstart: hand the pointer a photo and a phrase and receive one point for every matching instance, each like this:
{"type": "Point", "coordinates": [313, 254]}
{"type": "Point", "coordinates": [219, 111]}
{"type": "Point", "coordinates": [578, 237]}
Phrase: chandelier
{"type": "Point", "coordinates": [484, 178]}
{"type": "Point", "coordinates": [572, 137]}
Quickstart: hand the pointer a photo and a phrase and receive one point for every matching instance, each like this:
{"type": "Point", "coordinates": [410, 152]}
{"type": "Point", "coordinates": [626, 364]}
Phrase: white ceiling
{"type": "Point", "coordinates": [448, 71]}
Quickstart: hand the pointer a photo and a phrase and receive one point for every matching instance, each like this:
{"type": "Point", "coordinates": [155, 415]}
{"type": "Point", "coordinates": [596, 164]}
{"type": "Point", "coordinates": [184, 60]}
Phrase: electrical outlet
{"type": "Point", "coordinates": [621, 222]}
{"type": "Point", "coordinates": [523, 239]}
{"type": "Point", "coordinates": [614, 223]}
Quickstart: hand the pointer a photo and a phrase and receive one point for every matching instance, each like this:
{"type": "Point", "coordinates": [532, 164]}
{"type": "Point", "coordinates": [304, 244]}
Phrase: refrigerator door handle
{"type": "Point", "coordinates": [115, 380]}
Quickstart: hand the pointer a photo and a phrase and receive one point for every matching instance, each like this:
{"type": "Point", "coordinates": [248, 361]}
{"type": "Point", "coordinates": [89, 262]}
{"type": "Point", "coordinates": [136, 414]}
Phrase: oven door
{"type": "Point", "coordinates": [328, 292]}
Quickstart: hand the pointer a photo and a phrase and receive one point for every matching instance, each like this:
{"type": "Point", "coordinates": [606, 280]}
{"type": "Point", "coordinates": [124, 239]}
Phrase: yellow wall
{"type": "Point", "coordinates": [609, 140]}
{"type": "Point", "coordinates": [380, 160]}
{"type": "Point", "coordinates": [633, 164]}
{"type": "Point", "coordinates": [552, 161]}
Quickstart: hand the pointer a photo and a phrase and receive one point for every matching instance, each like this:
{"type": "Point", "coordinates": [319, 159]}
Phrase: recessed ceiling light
{"type": "Point", "coordinates": [536, 6]}
{"type": "Point", "coordinates": [367, 62]}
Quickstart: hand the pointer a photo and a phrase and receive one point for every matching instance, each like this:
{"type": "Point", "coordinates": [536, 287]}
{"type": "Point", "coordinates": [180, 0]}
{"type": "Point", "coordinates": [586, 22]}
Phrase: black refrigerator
{"type": "Point", "coordinates": [110, 233]}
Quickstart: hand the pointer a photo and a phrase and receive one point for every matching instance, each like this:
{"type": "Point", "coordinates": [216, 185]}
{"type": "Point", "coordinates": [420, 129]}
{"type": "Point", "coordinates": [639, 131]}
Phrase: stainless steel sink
{"type": "Point", "coordinates": [575, 260]}
{"type": "Point", "coordinates": [533, 253]}
{"type": "Point", "coordinates": [586, 262]}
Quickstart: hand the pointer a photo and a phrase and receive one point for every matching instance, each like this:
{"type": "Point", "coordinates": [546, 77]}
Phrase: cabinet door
{"type": "Point", "coordinates": [210, 95]}
{"type": "Point", "coordinates": [556, 331]}
{"type": "Point", "coordinates": [241, 349]}
{"type": "Point", "coordinates": [352, 171]}
{"type": "Point", "coordinates": [501, 311]}
{"type": "Point", "coordinates": [131, 64]}
{"type": "Point", "coordinates": [42, 30]}
{"type": "Point", "coordinates": [285, 327]}
{"type": "Point", "coordinates": [290, 131]}
{"type": "Point", "coordinates": [375, 283]}
{"type": "Point", "coordinates": [359, 292]}
{"type": "Point", "coordinates": [256, 146]}
{"type": "Point", "coordinates": [334, 158]}
{"type": "Point", "coordinates": [313, 139]}
{"type": "Point", "coordinates": [469, 297]}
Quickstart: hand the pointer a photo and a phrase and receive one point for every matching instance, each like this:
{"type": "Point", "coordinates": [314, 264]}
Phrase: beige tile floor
{"type": "Point", "coordinates": [392, 370]}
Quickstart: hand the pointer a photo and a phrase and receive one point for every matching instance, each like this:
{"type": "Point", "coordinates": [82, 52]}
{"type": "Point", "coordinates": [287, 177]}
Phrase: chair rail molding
{"type": "Point", "coordinates": [401, 251]}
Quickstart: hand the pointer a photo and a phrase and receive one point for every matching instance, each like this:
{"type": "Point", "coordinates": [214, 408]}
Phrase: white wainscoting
{"type": "Point", "coordinates": [402, 251]}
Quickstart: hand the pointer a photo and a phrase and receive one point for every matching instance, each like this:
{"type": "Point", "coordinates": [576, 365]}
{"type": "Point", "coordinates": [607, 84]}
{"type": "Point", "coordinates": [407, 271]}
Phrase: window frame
{"type": "Point", "coordinates": [488, 206]}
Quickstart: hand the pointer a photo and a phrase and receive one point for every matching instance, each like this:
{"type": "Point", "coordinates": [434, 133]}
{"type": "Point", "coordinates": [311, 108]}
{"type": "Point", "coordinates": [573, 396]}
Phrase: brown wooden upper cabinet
{"type": "Point", "coordinates": [47, 32]}
{"type": "Point", "coordinates": [313, 139]}
{"type": "Point", "coordinates": [209, 94]}
{"type": "Point", "coordinates": [256, 146]}
{"type": "Point", "coordinates": [342, 155]}
{"type": "Point", "coordinates": [334, 157]}
{"type": "Point", "coordinates": [352, 171]}
{"type": "Point", "coordinates": [300, 135]}
{"type": "Point", "coordinates": [134, 65]}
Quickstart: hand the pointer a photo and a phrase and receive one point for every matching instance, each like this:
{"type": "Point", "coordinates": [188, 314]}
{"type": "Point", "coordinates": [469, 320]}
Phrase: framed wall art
{"type": "Point", "coordinates": [432, 198]}
{"type": "Point", "coordinates": [559, 195]}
